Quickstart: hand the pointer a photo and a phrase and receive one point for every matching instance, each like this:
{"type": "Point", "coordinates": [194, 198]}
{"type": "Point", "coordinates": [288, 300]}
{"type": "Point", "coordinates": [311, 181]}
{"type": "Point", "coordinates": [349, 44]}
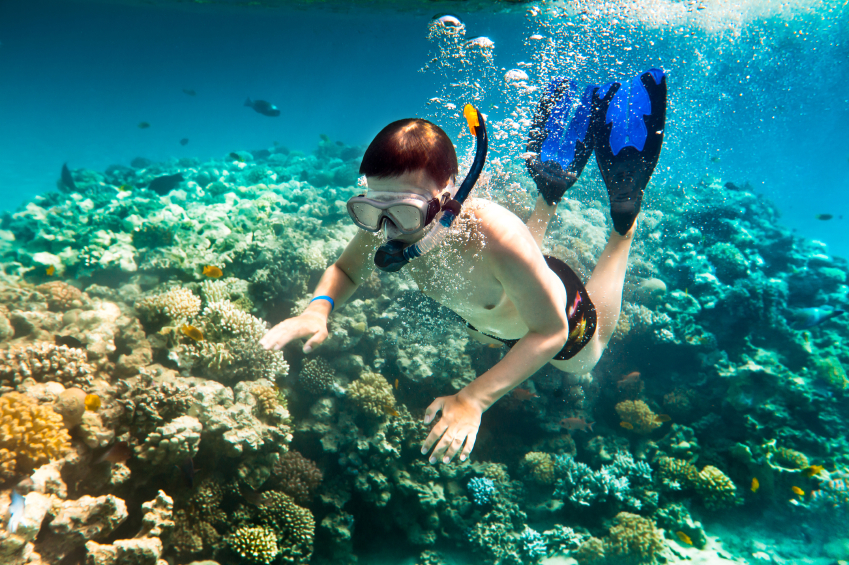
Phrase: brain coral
{"type": "Point", "coordinates": [32, 434]}
{"type": "Point", "coordinates": [638, 414]}
{"type": "Point", "coordinates": [45, 362]}
{"type": "Point", "coordinates": [372, 394]}
{"type": "Point", "coordinates": [61, 296]}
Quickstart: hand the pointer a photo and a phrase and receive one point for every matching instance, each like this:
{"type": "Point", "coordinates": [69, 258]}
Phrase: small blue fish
{"type": "Point", "coordinates": [16, 512]}
{"type": "Point", "coordinates": [810, 317]}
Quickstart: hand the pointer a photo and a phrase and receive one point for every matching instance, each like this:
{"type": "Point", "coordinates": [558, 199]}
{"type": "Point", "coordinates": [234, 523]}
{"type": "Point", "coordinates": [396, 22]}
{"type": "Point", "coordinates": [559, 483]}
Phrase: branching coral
{"type": "Point", "coordinates": [677, 474]}
{"type": "Point", "coordinates": [178, 304]}
{"type": "Point", "coordinates": [293, 525]}
{"type": "Point", "coordinates": [638, 414]}
{"type": "Point", "coordinates": [45, 362]}
{"type": "Point", "coordinates": [230, 349]}
{"type": "Point", "coordinates": [372, 394]}
{"type": "Point", "coordinates": [482, 490]}
{"type": "Point", "coordinates": [231, 289]}
{"type": "Point", "coordinates": [297, 476]}
{"type": "Point", "coordinates": [622, 481]}
{"type": "Point", "coordinates": [255, 544]}
{"type": "Point", "coordinates": [317, 376]}
{"type": "Point", "coordinates": [32, 434]}
{"type": "Point", "coordinates": [270, 404]}
{"type": "Point", "coordinates": [716, 489]}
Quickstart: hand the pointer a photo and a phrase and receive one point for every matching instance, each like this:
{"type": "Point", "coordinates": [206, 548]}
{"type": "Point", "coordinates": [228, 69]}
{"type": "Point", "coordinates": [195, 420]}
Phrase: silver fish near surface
{"type": "Point", "coordinates": [16, 512]}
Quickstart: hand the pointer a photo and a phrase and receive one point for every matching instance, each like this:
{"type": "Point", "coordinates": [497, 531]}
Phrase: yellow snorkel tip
{"type": "Point", "coordinates": [471, 117]}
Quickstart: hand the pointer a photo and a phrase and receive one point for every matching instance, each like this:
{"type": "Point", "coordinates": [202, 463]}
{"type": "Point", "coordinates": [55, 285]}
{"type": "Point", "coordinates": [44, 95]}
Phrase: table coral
{"type": "Point", "coordinates": [33, 434]}
{"type": "Point", "coordinates": [638, 414]}
{"type": "Point", "coordinates": [372, 394]}
{"type": "Point", "coordinates": [45, 362]}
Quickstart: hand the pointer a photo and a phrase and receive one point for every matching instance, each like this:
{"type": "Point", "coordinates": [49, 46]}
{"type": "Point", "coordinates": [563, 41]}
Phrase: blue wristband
{"type": "Point", "coordinates": [322, 297]}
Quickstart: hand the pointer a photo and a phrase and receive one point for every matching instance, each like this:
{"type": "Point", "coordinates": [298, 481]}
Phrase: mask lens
{"type": "Point", "coordinates": [407, 218]}
{"type": "Point", "coordinates": [365, 215]}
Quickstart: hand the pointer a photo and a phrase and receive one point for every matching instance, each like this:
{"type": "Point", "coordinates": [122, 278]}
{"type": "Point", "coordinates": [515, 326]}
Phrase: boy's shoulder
{"type": "Point", "coordinates": [491, 218]}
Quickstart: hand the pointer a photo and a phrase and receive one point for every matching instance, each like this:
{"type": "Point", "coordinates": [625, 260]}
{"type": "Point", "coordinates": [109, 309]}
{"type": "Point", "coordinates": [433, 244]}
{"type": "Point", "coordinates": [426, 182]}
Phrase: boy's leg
{"type": "Point", "coordinates": [607, 282]}
{"type": "Point", "coordinates": [541, 216]}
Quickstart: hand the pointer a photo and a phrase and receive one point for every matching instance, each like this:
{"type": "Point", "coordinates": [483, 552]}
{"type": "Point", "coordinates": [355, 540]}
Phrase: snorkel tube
{"type": "Point", "coordinates": [394, 254]}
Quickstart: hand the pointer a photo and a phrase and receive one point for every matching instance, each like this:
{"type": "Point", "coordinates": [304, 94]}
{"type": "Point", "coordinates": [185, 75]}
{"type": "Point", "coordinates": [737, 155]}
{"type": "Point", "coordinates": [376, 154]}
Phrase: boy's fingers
{"type": "Point", "coordinates": [470, 444]}
{"type": "Point", "coordinates": [432, 410]}
{"type": "Point", "coordinates": [314, 341]}
{"type": "Point", "coordinates": [433, 437]}
{"type": "Point", "coordinates": [453, 448]}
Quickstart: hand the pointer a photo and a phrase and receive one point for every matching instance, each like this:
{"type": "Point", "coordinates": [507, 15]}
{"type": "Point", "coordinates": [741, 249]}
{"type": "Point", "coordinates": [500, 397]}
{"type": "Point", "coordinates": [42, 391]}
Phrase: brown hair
{"type": "Point", "coordinates": [408, 145]}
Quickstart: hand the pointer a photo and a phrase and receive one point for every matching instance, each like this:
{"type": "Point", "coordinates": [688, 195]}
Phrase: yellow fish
{"type": "Point", "coordinates": [494, 345]}
{"type": "Point", "coordinates": [396, 384]}
{"type": "Point", "coordinates": [798, 491]}
{"type": "Point", "coordinates": [192, 332]}
{"type": "Point", "coordinates": [627, 425]}
{"type": "Point", "coordinates": [92, 402]}
{"type": "Point", "coordinates": [236, 157]}
{"type": "Point", "coordinates": [51, 270]}
{"type": "Point", "coordinates": [662, 418]}
{"type": "Point", "coordinates": [125, 188]}
{"type": "Point", "coordinates": [212, 272]}
{"type": "Point", "coordinates": [814, 470]}
{"type": "Point", "coordinates": [755, 485]}
{"type": "Point", "coordinates": [684, 537]}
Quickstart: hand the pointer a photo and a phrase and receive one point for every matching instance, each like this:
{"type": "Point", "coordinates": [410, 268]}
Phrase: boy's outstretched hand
{"type": "Point", "coordinates": [309, 325]}
{"type": "Point", "coordinates": [456, 429]}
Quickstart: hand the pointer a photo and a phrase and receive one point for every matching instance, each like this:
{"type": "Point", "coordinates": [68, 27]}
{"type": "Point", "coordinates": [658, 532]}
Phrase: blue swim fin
{"type": "Point", "coordinates": [560, 147]}
{"type": "Point", "coordinates": [628, 122]}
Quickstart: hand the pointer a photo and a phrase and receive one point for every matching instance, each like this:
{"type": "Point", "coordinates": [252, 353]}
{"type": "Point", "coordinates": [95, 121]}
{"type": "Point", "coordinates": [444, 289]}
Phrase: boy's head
{"type": "Point", "coordinates": [412, 145]}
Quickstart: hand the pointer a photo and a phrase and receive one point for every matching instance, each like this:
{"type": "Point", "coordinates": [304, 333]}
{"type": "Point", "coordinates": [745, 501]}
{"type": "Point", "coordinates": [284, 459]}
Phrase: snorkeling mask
{"type": "Point", "coordinates": [394, 254]}
{"type": "Point", "coordinates": [409, 212]}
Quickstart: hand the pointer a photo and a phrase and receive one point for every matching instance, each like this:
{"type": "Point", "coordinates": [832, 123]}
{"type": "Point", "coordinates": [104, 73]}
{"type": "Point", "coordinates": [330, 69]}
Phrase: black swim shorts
{"type": "Point", "coordinates": [580, 312]}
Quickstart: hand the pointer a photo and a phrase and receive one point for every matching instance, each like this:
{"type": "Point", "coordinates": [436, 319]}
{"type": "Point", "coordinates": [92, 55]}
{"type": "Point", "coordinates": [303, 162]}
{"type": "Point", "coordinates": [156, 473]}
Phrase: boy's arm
{"type": "Point", "coordinates": [339, 282]}
{"type": "Point", "coordinates": [540, 300]}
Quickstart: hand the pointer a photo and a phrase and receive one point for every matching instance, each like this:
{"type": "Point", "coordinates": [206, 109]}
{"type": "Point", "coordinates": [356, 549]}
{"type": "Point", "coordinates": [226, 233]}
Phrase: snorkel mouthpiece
{"type": "Point", "coordinates": [394, 254]}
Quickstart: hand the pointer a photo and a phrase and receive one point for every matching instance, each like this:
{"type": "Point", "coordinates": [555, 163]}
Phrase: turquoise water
{"type": "Point", "coordinates": [249, 456]}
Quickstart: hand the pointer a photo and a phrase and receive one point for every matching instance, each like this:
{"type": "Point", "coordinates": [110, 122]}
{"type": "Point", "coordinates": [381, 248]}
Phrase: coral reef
{"type": "Point", "coordinates": [372, 394]}
{"type": "Point", "coordinates": [30, 435]}
{"type": "Point", "coordinates": [638, 415]}
{"type": "Point", "coordinates": [131, 315]}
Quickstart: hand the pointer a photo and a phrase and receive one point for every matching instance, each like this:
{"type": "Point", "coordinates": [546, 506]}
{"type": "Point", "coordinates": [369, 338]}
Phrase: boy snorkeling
{"type": "Point", "coordinates": [490, 270]}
